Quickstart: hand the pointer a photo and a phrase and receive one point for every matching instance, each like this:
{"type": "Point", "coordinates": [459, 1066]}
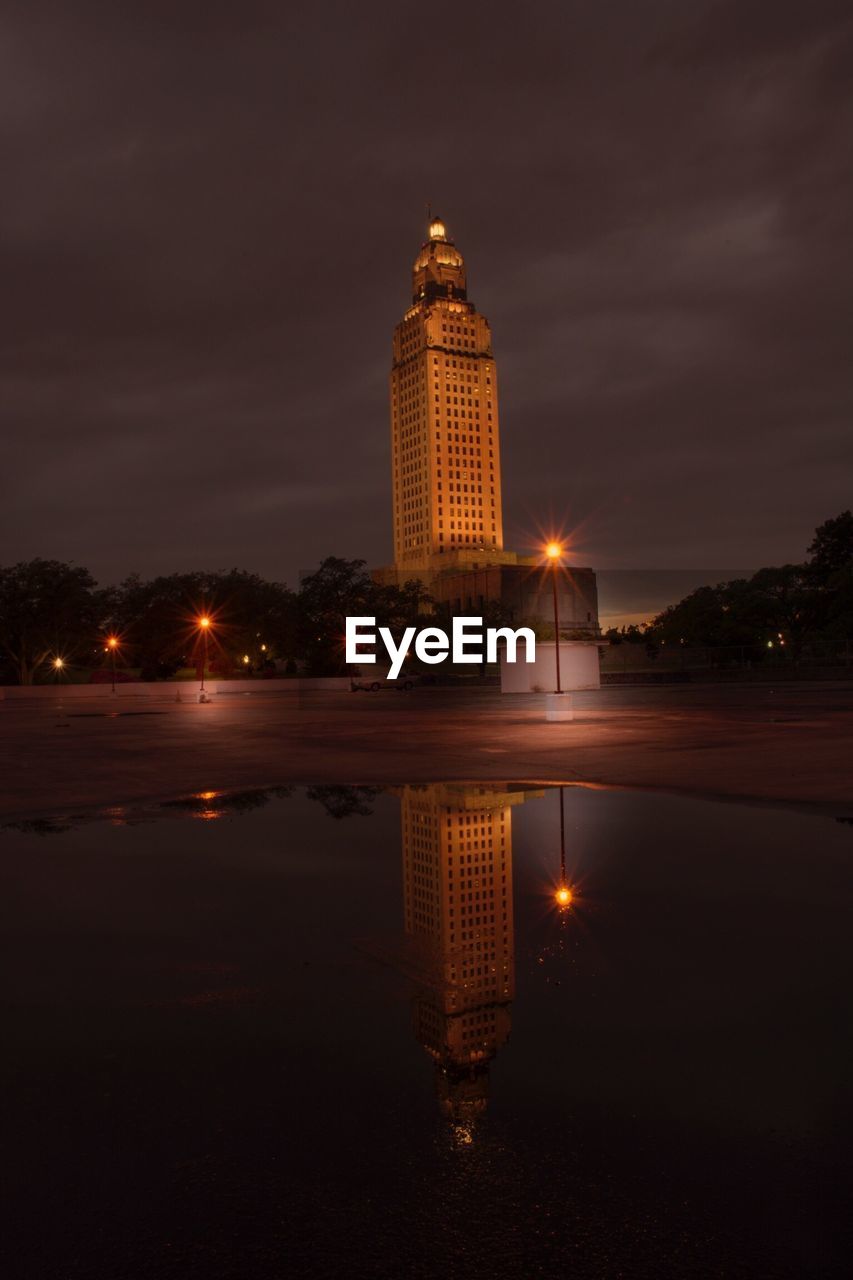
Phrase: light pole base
{"type": "Point", "coordinates": [203, 696]}
{"type": "Point", "coordinates": [558, 706]}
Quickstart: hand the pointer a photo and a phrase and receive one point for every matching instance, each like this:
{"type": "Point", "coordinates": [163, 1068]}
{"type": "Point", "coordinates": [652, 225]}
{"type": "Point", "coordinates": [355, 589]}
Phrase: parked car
{"type": "Point", "coordinates": [406, 681]}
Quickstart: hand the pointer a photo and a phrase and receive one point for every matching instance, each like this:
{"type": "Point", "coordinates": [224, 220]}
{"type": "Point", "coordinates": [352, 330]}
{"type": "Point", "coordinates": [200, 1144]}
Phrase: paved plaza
{"type": "Point", "coordinates": [787, 745]}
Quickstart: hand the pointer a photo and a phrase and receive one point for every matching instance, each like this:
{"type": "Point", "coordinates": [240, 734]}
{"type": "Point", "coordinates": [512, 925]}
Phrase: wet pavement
{"type": "Point", "coordinates": [791, 744]}
{"type": "Point", "coordinates": [476, 1030]}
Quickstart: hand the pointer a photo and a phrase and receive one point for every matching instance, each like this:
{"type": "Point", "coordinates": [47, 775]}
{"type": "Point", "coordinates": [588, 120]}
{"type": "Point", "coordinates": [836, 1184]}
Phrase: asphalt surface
{"type": "Point", "coordinates": [787, 745]}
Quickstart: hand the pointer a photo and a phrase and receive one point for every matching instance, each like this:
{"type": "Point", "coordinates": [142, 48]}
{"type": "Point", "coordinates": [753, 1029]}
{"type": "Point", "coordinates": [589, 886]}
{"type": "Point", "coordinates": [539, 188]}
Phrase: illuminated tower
{"type": "Point", "coordinates": [446, 461]}
{"type": "Point", "coordinates": [457, 890]}
{"type": "Point", "coordinates": [445, 450]}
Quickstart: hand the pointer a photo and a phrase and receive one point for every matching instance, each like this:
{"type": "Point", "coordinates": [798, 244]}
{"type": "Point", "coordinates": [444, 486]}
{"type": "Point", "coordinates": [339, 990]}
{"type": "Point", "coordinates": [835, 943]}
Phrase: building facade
{"type": "Point", "coordinates": [446, 459]}
{"type": "Point", "coordinates": [445, 443]}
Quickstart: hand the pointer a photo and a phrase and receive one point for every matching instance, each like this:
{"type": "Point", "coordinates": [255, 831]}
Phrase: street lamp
{"type": "Point", "coordinates": [58, 666]}
{"type": "Point", "coordinates": [112, 645]}
{"type": "Point", "coordinates": [204, 628]}
{"type": "Point", "coordinates": [554, 552]}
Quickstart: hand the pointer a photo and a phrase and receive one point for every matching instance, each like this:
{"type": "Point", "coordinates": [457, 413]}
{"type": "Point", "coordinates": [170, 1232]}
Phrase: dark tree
{"type": "Point", "coordinates": [49, 610]}
{"type": "Point", "coordinates": [338, 589]}
{"type": "Point", "coordinates": [345, 802]}
{"type": "Point", "coordinates": [344, 588]}
{"type": "Point", "coordinates": [158, 621]}
{"type": "Point", "coordinates": [798, 603]}
{"type": "Point", "coordinates": [831, 548]}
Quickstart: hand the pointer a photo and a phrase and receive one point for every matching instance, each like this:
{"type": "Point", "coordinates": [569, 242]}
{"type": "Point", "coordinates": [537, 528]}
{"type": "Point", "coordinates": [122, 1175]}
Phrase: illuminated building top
{"type": "Point", "coordinates": [439, 270]}
{"type": "Point", "coordinates": [444, 419]}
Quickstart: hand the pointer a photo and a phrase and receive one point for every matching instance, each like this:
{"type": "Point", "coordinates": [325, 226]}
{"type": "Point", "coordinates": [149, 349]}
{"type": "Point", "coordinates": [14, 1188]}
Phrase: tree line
{"type": "Point", "coordinates": [54, 616]}
{"type": "Point", "coordinates": [53, 611]}
{"type": "Point", "coordinates": [790, 606]}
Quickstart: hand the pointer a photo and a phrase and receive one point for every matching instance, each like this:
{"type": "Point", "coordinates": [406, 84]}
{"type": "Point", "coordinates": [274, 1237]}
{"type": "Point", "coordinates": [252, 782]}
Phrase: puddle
{"type": "Point", "coordinates": [487, 1030]}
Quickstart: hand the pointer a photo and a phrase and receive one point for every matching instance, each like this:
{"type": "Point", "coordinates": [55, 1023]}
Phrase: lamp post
{"type": "Point", "coordinates": [58, 666]}
{"type": "Point", "coordinates": [112, 645]}
{"type": "Point", "coordinates": [204, 627]}
{"type": "Point", "coordinates": [554, 553]}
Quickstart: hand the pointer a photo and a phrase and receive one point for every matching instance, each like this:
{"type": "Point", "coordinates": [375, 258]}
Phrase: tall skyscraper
{"type": "Point", "coordinates": [446, 460]}
{"type": "Point", "coordinates": [445, 446]}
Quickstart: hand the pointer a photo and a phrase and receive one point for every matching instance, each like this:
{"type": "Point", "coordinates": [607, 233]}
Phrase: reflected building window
{"type": "Point", "coordinates": [458, 917]}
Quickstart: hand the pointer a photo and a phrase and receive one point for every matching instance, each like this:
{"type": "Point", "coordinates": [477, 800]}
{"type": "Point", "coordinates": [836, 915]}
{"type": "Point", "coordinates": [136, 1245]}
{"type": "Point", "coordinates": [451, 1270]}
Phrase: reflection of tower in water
{"type": "Point", "coordinates": [457, 885]}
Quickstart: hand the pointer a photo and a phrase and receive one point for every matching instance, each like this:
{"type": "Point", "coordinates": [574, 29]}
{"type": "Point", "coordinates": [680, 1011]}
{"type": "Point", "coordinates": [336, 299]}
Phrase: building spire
{"type": "Point", "coordinates": [436, 229]}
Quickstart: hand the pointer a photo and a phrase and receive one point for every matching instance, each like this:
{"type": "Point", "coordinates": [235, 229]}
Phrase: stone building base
{"type": "Point", "coordinates": [522, 586]}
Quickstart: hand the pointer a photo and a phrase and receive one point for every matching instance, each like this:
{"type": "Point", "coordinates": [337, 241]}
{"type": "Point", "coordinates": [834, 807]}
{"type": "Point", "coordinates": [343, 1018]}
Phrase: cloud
{"type": "Point", "coordinates": [208, 228]}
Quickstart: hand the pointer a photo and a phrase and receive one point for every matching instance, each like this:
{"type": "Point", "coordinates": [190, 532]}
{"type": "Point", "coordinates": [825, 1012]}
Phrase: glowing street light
{"type": "Point", "coordinates": [112, 646]}
{"type": "Point", "coordinates": [204, 622]}
{"type": "Point", "coordinates": [554, 553]}
{"type": "Point", "coordinates": [58, 665]}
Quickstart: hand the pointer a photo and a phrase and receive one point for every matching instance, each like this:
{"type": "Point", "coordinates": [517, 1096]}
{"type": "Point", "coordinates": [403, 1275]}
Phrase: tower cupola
{"type": "Point", "coordinates": [439, 270]}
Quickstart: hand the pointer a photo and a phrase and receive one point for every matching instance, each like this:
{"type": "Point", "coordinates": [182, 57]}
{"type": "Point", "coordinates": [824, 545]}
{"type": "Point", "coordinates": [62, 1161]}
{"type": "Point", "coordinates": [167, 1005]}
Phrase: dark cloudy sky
{"type": "Point", "coordinates": [208, 218]}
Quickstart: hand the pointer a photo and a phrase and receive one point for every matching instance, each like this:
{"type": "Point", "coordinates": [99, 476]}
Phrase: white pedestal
{"type": "Point", "coordinates": [558, 706]}
{"type": "Point", "coordinates": [579, 667]}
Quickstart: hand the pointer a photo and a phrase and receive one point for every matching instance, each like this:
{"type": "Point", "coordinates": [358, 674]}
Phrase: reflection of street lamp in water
{"type": "Point", "coordinates": [563, 895]}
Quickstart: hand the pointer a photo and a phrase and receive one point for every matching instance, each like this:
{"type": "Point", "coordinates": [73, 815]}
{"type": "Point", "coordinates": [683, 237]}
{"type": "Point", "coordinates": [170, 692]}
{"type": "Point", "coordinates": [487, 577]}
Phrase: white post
{"type": "Point", "coordinates": [558, 706]}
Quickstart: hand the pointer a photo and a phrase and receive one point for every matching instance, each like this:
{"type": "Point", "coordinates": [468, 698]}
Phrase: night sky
{"type": "Point", "coordinates": [208, 220]}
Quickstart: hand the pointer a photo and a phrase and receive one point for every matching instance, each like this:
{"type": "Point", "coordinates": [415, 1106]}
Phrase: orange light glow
{"type": "Point", "coordinates": [112, 642]}
{"type": "Point", "coordinates": [553, 551]}
{"type": "Point", "coordinates": [563, 896]}
{"type": "Point", "coordinates": [58, 664]}
{"type": "Point", "coordinates": [204, 622]}
{"type": "Point", "coordinates": [245, 659]}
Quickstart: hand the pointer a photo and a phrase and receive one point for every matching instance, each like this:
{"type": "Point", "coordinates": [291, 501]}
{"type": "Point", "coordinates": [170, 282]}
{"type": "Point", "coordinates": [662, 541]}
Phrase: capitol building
{"type": "Point", "coordinates": [446, 457]}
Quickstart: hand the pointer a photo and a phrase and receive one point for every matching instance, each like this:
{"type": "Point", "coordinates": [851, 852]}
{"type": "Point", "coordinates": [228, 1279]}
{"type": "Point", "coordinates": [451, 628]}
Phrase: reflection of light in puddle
{"type": "Point", "coordinates": [503, 1116]}
{"type": "Point", "coordinates": [209, 814]}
